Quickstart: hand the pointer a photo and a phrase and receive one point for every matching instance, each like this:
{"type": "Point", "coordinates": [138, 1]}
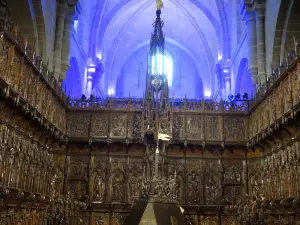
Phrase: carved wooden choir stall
{"type": "Point", "coordinates": [87, 161]}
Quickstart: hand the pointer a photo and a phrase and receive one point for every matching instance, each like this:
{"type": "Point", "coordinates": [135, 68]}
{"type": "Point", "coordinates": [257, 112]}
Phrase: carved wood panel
{"type": "Point", "coordinates": [194, 127]}
{"type": "Point", "coordinates": [135, 125]}
{"type": "Point", "coordinates": [178, 126]}
{"type": "Point", "coordinates": [234, 128]}
{"type": "Point", "coordinates": [213, 127]}
{"type": "Point", "coordinates": [99, 125]}
{"type": "Point", "coordinates": [118, 125]}
{"type": "Point", "coordinates": [78, 124]}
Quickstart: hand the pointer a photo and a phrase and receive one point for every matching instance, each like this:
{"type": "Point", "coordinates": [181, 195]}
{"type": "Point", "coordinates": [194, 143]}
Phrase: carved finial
{"type": "Point", "coordinates": [159, 4]}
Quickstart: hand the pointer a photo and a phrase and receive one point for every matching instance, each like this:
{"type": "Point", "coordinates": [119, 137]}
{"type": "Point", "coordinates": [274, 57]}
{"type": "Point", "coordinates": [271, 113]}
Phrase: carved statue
{"type": "Point", "coordinates": [99, 186]}
{"type": "Point", "coordinates": [117, 186]}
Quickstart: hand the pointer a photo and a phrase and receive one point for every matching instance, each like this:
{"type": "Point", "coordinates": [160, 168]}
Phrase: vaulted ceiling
{"type": "Point", "coordinates": [199, 27]}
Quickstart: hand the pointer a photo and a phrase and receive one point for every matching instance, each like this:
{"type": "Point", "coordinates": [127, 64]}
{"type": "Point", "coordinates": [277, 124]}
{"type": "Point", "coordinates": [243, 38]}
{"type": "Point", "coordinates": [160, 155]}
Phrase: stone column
{"type": "Point", "coordinates": [71, 15]}
{"type": "Point", "coordinates": [248, 16]}
{"type": "Point", "coordinates": [221, 84]}
{"type": "Point", "coordinates": [261, 48]}
{"type": "Point", "coordinates": [59, 33]}
{"type": "Point", "coordinates": [65, 54]}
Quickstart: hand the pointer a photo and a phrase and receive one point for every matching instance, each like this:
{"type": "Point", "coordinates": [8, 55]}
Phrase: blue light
{"type": "Point", "coordinates": [164, 65]}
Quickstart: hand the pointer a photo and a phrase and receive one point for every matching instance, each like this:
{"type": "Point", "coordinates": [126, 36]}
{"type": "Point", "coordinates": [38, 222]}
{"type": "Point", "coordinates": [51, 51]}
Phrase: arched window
{"type": "Point", "coordinates": [160, 62]}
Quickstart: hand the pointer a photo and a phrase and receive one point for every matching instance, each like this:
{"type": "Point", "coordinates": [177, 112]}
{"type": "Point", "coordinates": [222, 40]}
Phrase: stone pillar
{"type": "Point", "coordinates": [261, 47]}
{"type": "Point", "coordinates": [221, 84]}
{"type": "Point", "coordinates": [65, 54]}
{"type": "Point", "coordinates": [71, 15]}
{"type": "Point", "coordinates": [59, 33]}
{"type": "Point", "coordinates": [248, 16]}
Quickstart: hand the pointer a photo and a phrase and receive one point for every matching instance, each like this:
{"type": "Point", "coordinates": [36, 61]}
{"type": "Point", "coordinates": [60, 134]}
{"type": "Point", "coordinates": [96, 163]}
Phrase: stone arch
{"type": "Point", "coordinates": [244, 83]}
{"type": "Point", "coordinates": [73, 80]}
{"type": "Point", "coordinates": [286, 28]}
{"type": "Point", "coordinates": [25, 20]}
{"type": "Point", "coordinates": [291, 28]}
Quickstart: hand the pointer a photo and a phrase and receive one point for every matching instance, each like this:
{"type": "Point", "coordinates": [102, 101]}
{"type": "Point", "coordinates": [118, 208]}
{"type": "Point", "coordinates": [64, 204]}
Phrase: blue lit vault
{"type": "Point", "coordinates": [114, 36]}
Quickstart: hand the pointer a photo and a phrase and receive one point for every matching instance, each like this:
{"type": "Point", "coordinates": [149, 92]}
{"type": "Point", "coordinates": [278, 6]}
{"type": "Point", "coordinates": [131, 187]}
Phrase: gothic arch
{"type": "Point", "coordinates": [291, 28]}
{"type": "Point", "coordinates": [244, 83]}
{"type": "Point", "coordinates": [73, 80]}
{"type": "Point", "coordinates": [287, 28]}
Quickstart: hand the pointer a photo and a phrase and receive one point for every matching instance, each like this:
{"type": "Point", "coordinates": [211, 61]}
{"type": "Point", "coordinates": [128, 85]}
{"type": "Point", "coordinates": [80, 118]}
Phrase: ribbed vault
{"type": "Point", "coordinates": [121, 27]}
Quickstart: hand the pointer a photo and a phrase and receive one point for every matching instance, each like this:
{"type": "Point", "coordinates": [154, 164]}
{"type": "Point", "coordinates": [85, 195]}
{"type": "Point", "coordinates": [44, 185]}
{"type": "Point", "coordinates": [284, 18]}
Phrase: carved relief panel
{"type": "Point", "coordinates": [101, 219]}
{"type": "Point", "coordinates": [117, 180]}
{"type": "Point", "coordinates": [118, 125]}
{"type": "Point", "coordinates": [194, 179]}
{"type": "Point", "coordinates": [234, 128]}
{"type": "Point", "coordinates": [78, 124]}
{"type": "Point", "coordinates": [176, 172]}
{"type": "Point", "coordinates": [135, 125]}
{"type": "Point", "coordinates": [194, 127]}
{"type": "Point", "coordinates": [99, 125]}
{"type": "Point", "coordinates": [178, 126]}
{"type": "Point", "coordinates": [58, 178]}
{"type": "Point", "coordinates": [208, 220]}
{"type": "Point", "coordinates": [118, 218]}
{"type": "Point", "coordinates": [212, 181]}
{"type": "Point", "coordinates": [136, 174]}
{"type": "Point", "coordinates": [213, 127]}
{"type": "Point", "coordinates": [78, 189]}
{"type": "Point", "coordinates": [78, 167]}
{"type": "Point", "coordinates": [99, 176]}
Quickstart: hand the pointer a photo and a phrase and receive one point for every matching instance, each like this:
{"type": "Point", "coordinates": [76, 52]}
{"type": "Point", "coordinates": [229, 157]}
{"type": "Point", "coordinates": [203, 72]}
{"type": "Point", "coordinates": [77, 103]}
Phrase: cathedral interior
{"type": "Point", "coordinates": [163, 112]}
